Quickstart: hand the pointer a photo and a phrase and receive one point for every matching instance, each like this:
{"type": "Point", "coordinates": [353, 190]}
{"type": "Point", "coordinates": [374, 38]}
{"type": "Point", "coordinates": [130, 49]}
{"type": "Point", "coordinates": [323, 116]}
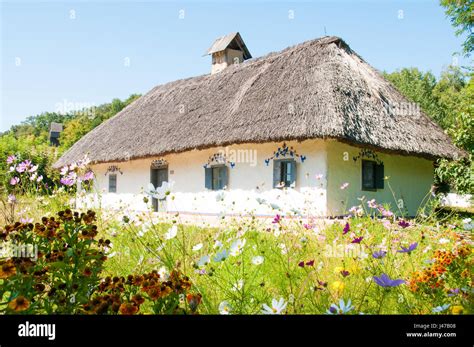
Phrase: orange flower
{"type": "Point", "coordinates": [128, 309]}
{"type": "Point", "coordinates": [7, 269]}
{"type": "Point", "coordinates": [19, 304]}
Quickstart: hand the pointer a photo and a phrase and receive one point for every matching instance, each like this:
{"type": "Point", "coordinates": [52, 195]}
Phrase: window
{"type": "Point", "coordinates": [112, 183]}
{"type": "Point", "coordinates": [216, 177]}
{"type": "Point", "coordinates": [284, 173]}
{"type": "Point", "coordinates": [372, 175]}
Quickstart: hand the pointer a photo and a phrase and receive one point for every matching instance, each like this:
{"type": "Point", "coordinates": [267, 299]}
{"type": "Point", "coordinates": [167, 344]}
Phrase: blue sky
{"type": "Point", "coordinates": [82, 53]}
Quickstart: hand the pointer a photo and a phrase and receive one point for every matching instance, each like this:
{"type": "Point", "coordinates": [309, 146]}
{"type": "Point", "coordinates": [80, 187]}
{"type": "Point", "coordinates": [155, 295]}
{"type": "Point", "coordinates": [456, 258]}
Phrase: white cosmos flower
{"type": "Point", "coordinates": [217, 244]}
{"type": "Point", "coordinates": [238, 286]}
{"type": "Point", "coordinates": [171, 233]}
{"type": "Point", "coordinates": [237, 247]}
{"type": "Point", "coordinates": [221, 256]}
{"type": "Point", "coordinates": [257, 260]}
{"type": "Point", "coordinates": [443, 241]}
{"type": "Point", "coordinates": [224, 307]}
{"type": "Point", "coordinates": [203, 260]}
{"type": "Point", "coordinates": [277, 307]}
{"type": "Point", "coordinates": [160, 193]}
{"type": "Point", "coordinates": [163, 272]}
{"type": "Point", "coordinates": [197, 247]}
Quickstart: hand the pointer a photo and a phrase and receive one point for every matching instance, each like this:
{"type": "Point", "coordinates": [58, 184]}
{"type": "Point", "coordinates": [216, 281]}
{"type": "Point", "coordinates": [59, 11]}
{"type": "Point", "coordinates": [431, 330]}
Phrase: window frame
{"type": "Point", "coordinates": [377, 175]}
{"type": "Point", "coordinates": [283, 165]}
{"type": "Point", "coordinates": [114, 190]}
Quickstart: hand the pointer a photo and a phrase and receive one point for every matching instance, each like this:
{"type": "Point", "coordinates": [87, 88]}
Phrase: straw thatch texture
{"type": "Point", "coordinates": [317, 89]}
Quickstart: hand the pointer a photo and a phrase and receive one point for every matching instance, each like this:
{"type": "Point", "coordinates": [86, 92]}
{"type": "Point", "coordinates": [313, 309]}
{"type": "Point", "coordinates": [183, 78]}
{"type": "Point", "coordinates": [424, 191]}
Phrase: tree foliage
{"type": "Point", "coordinates": [460, 12]}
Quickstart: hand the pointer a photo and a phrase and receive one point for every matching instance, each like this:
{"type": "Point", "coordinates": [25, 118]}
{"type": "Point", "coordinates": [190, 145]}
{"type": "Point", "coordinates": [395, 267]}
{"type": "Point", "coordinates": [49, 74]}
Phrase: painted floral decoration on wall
{"type": "Point", "coordinates": [285, 152]}
{"type": "Point", "coordinates": [218, 158]}
{"type": "Point", "coordinates": [112, 169]}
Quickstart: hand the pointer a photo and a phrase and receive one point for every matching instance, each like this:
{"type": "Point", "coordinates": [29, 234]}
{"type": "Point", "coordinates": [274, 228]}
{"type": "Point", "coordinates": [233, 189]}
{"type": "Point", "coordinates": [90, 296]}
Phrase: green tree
{"type": "Point", "coordinates": [461, 14]}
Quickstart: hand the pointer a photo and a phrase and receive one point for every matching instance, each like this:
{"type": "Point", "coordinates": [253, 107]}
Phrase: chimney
{"type": "Point", "coordinates": [228, 50]}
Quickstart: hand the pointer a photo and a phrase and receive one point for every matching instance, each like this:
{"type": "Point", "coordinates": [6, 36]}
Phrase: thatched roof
{"type": "Point", "coordinates": [317, 89]}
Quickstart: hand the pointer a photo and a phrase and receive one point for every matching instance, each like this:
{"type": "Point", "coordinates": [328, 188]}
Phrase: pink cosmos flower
{"type": "Point", "coordinates": [14, 181]}
{"type": "Point", "coordinates": [11, 159]}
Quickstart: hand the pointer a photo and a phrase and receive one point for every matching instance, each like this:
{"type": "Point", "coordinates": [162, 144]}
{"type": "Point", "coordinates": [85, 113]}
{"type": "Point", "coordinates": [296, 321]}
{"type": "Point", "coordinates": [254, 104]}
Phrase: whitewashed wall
{"type": "Point", "coordinates": [249, 183]}
{"type": "Point", "coordinates": [410, 179]}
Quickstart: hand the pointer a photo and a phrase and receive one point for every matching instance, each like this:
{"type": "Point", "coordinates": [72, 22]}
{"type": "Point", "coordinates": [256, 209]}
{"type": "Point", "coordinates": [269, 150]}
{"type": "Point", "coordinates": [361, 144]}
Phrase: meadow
{"type": "Point", "coordinates": [123, 262]}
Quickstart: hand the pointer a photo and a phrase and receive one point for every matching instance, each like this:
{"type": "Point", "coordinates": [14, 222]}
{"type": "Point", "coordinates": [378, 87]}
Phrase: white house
{"type": "Point", "coordinates": [307, 130]}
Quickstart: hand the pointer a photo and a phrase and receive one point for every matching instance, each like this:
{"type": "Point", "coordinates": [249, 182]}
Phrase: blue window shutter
{"type": "Point", "coordinates": [208, 177]}
{"type": "Point", "coordinates": [379, 176]}
{"type": "Point", "coordinates": [225, 176]}
{"type": "Point", "coordinates": [293, 172]}
{"type": "Point", "coordinates": [276, 173]}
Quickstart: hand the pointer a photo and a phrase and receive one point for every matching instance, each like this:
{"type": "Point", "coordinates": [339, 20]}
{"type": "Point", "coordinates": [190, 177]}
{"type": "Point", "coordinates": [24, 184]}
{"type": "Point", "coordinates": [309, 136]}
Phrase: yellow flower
{"type": "Point", "coordinates": [457, 309]}
{"type": "Point", "coordinates": [354, 269]}
{"type": "Point", "coordinates": [337, 286]}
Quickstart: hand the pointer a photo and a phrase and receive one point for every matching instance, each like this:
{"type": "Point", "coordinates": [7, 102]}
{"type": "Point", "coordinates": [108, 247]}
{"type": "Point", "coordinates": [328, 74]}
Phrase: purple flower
{"type": "Point", "coordinates": [21, 168]}
{"type": "Point", "coordinates": [310, 262]}
{"type": "Point", "coordinates": [67, 181]}
{"type": "Point", "coordinates": [26, 220]}
{"type": "Point", "coordinates": [11, 159]}
{"type": "Point", "coordinates": [344, 273]}
{"type": "Point", "coordinates": [11, 199]}
{"type": "Point", "coordinates": [308, 226]}
{"type": "Point", "coordinates": [301, 264]}
{"type": "Point", "coordinates": [379, 254]}
{"type": "Point", "coordinates": [453, 292]}
{"type": "Point", "coordinates": [403, 224]}
{"type": "Point", "coordinates": [88, 176]}
{"type": "Point", "coordinates": [357, 239]}
{"type": "Point", "coordinates": [408, 249]}
{"type": "Point", "coordinates": [346, 229]}
{"type": "Point", "coordinates": [14, 181]}
{"type": "Point", "coordinates": [385, 281]}
{"type": "Point", "coordinates": [277, 219]}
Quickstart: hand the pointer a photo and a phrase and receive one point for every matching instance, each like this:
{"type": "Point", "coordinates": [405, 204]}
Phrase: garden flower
{"type": "Point", "coordinates": [344, 185]}
{"type": "Point", "coordinates": [11, 158]}
{"type": "Point", "coordinates": [33, 168]}
{"type": "Point", "coordinates": [439, 309]}
{"type": "Point", "coordinates": [301, 264]}
{"type": "Point", "coordinates": [372, 203]}
{"type": "Point", "coordinates": [221, 256]}
{"type": "Point", "coordinates": [403, 224]}
{"type": "Point", "coordinates": [442, 241]}
{"type": "Point", "coordinates": [277, 219]}
{"type": "Point", "coordinates": [11, 199]}
{"type": "Point", "coordinates": [64, 171]}
{"type": "Point", "coordinates": [453, 292]}
{"type": "Point", "coordinates": [379, 254]}
{"type": "Point", "coordinates": [238, 286]}
{"type": "Point", "coordinates": [88, 176]}
{"type": "Point", "coordinates": [467, 224]}
{"type": "Point", "coordinates": [408, 249]}
{"type": "Point", "coordinates": [357, 239]}
{"type": "Point", "coordinates": [224, 308]}
{"type": "Point", "coordinates": [14, 181]}
{"type": "Point", "coordinates": [346, 229]}
{"type": "Point", "coordinates": [171, 233]}
{"type": "Point", "coordinates": [337, 286]}
{"type": "Point", "coordinates": [343, 307]}
{"type": "Point", "coordinates": [128, 308]}
{"type": "Point", "coordinates": [257, 260]}
{"type": "Point", "coordinates": [385, 281]}
{"type": "Point", "coordinates": [310, 262]}
{"type": "Point", "coordinates": [203, 260]}
{"type": "Point", "coordinates": [237, 247]}
{"type": "Point", "coordinates": [344, 273]}
{"type": "Point", "coordinates": [197, 247]}
{"type": "Point", "coordinates": [159, 193]}
{"type": "Point", "coordinates": [457, 309]}
{"type": "Point", "coordinates": [277, 307]}
{"type": "Point", "coordinates": [7, 269]}
{"type": "Point", "coordinates": [26, 220]}
{"type": "Point", "coordinates": [67, 180]}
{"type": "Point", "coordinates": [19, 304]}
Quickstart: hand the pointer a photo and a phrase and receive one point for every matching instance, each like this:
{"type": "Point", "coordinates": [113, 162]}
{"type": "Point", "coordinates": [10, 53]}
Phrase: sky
{"type": "Point", "coordinates": [61, 55]}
